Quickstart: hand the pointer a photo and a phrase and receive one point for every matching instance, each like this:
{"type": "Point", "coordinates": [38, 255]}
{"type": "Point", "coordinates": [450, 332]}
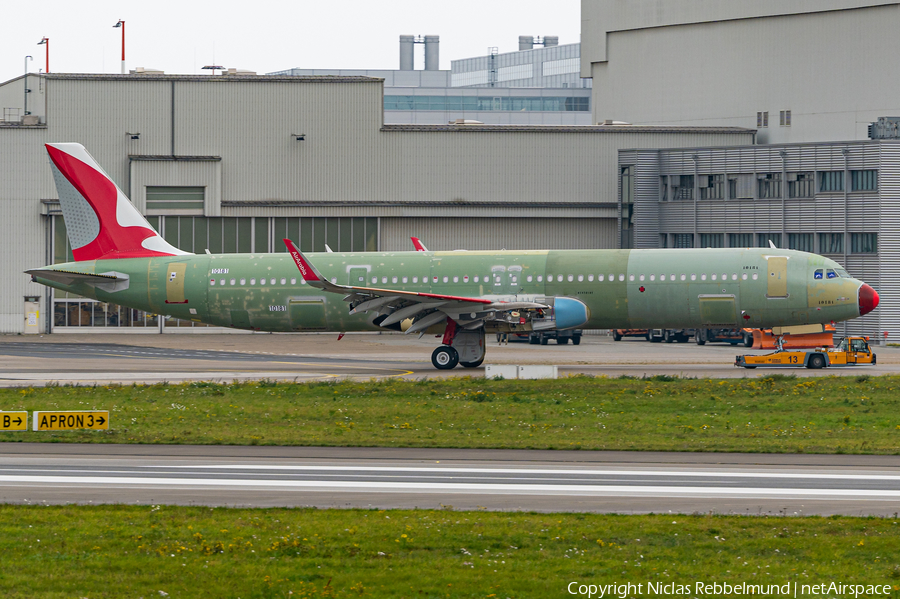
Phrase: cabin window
{"type": "Point", "coordinates": [724, 276]}
{"type": "Point", "coordinates": [434, 279]}
{"type": "Point", "coordinates": [496, 280]}
{"type": "Point", "coordinates": [221, 281]}
{"type": "Point", "coordinates": [243, 281]}
{"type": "Point", "coordinates": [600, 278]}
{"type": "Point", "coordinates": [529, 278]}
{"type": "Point", "coordinates": [755, 276]}
{"type": "Point", "coordinates": [456, 279]}
{"type": "Point", "coordinates": [622, 277]}
{"type": "Point", "coordinates": [253, 281]}
{"type": "Point", "coordinates": [515, 279]}
{"type": "Point", "coordinates": [559, 278]}
{"type": "Point", "coordinates": [714, 276]}
{"type": "Point", "coordinates": [549, 278]}
{"type": "Point", "coordinates": [405, 279]}
{"type": "Point", "coordinates": [703, 277]}
{"type": "Point", "coordinates": [446, 279]}
{"type": "Point", "coordinates": [293, 281]}
{"type": "Point", "coordinates": [374, 279]}
{"type": "Point", "coordinates": [662, 277]}
{"type": "Point", "coordinates": [384, 280]}
{"type": "Point", "coordinates": [233, 281]}
{"type": "Point", "coordinates": [683, 277]}
{"type": "Point", "coordinates": [744, 276]}
{"type": "Point", "coordinates": [212, 281]}
{"type": "Point", "coordinates": [734, 276]}
{"type": "Point", "coordinates": [284, 281]}
{"type": "Point", "coordinates": [652, 277]}
{"type": "Point", "coordinates": [590, 277]}
{"type": "Point", "coordinates": [394, 280]}
{"type": "Point", "coordinates": [476, 279]}
{"type": "Point", "coordinates": [693, 276]}
{"type": "Point", "coordinates": [465, 278]}
{"type": "Point", "coordinates": [273, 281]}
{"type": "Point", "coordinates": [630, 277]}
{"type": "Point", "coordinates": [571, 278]}
{"type": "Point", "coordinates": [540, 278]}
{"type": "Point", "coordinates": [303, 281]}
{"type": "Point", "coordinates": [415, 279]}
{"type": "Point", "coordinates": [671, 277]}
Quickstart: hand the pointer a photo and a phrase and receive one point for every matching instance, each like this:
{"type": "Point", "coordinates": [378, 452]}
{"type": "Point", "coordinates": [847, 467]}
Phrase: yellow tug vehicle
{"type": "Point", "coordinates": [850, 351]}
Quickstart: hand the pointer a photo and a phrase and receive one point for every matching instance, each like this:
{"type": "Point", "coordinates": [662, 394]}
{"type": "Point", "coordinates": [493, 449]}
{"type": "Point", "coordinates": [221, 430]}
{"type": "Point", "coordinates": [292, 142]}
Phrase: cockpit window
{"type": "Point", "coordinates": [842, 273]}
{"type": "Point", "coordinates": [818, 273]}
{"type": "Point", "coordinates": [831, 274]}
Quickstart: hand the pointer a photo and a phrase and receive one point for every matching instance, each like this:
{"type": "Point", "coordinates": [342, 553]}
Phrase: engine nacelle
{"type": "Point", "coordinates": [570, 313]}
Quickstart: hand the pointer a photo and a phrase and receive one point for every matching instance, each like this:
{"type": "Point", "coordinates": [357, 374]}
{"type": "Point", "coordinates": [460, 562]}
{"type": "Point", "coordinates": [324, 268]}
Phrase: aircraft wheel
{"type": "Point", "coordinates": [445, 358]}
{"type": "Point", "coordinates": [816, 361]}
{"type": "Point", "coordinates": [474, 364]}
{"type": "Point", "coordinates": [576, 340]}
{"type": "Point", "coordinates": [616, 335]}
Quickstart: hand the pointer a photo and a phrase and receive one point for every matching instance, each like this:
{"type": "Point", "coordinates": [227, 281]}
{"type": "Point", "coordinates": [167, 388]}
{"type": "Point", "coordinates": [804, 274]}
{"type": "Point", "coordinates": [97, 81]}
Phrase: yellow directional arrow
{"type": "Point", "coordinates": [13, 421]}
{"type": "Point", "coordinates": [66, 421]}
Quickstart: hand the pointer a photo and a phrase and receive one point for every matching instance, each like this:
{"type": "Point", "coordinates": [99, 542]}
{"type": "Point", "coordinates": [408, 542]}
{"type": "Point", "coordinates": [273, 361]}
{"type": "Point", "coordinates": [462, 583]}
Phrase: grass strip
{"type": "Point", "coordinates": [777, 413]}
{"type": "Point", "coordinates": [156, 551]}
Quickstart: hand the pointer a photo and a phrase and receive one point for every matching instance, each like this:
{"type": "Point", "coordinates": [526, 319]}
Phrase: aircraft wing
{"type": "Point", "coordinates": [425, 309]}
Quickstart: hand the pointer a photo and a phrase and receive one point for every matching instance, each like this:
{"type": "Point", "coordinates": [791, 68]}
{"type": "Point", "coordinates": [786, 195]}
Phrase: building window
{"type": "Point", "coordinates": [800, 185]}
{"type": "Point", "coordinates": [682, 187]}
{"type": "Point", "coordinates": [519, 71]}
{"type": "Point", "coordinates": [740, 240]}
{"type": "Point", "coordinates": [864, 180]}
{"type": "Point", "coordinates": [684, 240]}
{"type": "Point", "coordinates": [712, 187]}
{"type": "Point", "coordinates": [769, 186]}
{"type": "Point", "coordinates": [712, 240]}
{"type": "Point", "coordinates": [831, 243]}
{"type": "Point", "coordinates": [800, 241]}
{"type": "Point", "coordinates": [863, 243]}
{"type": "Point", "coordinates": [740, 187]}
{"type": "Point", "coordinates": [785, 118]}
{"type": "Point", "coordinates": [763, 239]}
{"type": "Point", "coordinates": [831, 181]}
{"type": "Point", "coordinates": [762, 119]}
{"type": "Point", "coordinates": [490, 103]}
{"type": "Point", "coordinates": [177, 200]}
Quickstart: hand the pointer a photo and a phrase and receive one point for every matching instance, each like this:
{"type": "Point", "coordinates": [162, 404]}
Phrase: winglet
{"type": "Point", "coordinates": [772, 245]}
{"type": "Point", "coordinates": [417, 243]}
{"type": "Point", "coordinates": [307, 270]}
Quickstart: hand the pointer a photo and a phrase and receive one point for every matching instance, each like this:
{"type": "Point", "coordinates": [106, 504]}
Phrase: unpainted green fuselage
{"type": "Point", "coordinates": [622, 288]}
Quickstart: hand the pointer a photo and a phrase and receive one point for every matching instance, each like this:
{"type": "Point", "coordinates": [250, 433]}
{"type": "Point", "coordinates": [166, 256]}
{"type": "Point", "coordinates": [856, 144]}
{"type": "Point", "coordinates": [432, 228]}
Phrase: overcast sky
{"type": "Point", "coordinates": [181, 37]}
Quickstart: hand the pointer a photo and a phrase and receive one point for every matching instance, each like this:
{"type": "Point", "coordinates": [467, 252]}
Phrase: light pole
{"type": "Point", "coordinates": [27, 91]}
{"type": "Point", "coordinates": [121, 24]}
{"type": "Point", "coordinates": [46, 42]}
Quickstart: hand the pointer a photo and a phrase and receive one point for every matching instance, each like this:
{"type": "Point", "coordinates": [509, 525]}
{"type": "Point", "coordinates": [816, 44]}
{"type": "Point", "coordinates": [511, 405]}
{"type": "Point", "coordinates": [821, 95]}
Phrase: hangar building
{"type": "Point", "coordinates": [235, 162]}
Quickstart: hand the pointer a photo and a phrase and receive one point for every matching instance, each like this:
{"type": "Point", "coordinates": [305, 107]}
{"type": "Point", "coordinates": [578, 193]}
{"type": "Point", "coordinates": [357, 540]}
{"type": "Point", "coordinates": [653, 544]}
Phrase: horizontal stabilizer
{"type": "Point", "coordinates": [67, 277]}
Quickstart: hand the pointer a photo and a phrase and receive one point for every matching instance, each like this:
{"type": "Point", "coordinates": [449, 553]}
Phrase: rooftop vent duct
{"type": "Point", "coordinates": [886, 127]}
{"type": "Point", "coordinates": [406, 52]}
{"type": "Point", "coordinates": [551, 40]}
{"type": "Point", "coordinates": [432, 46]}
{"type": "Point", "coordinates": [526, 42]}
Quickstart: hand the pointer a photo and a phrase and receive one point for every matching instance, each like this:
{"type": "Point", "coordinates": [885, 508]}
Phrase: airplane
{"type": "Point", "coordinates": [459, 295]}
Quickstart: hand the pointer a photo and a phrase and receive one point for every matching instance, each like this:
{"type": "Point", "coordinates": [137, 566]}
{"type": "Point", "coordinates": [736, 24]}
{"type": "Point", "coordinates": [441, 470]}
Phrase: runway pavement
{"type": "Point", "coordinates": [462, 479]}
{"type": "Point", "coordinates": [140, 358]}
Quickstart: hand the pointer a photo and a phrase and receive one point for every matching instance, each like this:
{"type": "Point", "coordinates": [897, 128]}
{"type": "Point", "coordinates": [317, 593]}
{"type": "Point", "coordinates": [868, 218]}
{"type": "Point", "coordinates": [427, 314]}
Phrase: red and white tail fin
{"type": "Point", "coordinates": [417, 243]}
{"type": "Point", "coordinates": [100, 220]}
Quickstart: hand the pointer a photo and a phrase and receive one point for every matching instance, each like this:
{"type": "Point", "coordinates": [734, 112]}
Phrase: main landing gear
{"type": "Point", "coordinates": [461, 347]}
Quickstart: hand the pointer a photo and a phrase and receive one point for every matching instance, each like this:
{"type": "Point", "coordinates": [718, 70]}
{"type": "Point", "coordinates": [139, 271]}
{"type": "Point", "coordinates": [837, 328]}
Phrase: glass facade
{"type": "Point", "coordinates": [831, 243]}
{"type": "Point", "coordinates": [800, 241]}
{"type": "Point", "coordinates": [220, 235]}
{"type": "Point", "coordinates": [489, 103]}
{"type": "Point", "coordinates": [864, 243]}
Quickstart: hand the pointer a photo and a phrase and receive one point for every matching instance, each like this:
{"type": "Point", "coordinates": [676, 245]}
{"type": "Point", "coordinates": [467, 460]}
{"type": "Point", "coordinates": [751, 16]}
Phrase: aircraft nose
{"type": "Point", "coordinates": [868, 299]}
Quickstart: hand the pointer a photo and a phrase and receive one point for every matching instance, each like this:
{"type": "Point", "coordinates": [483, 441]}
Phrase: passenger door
{"type": "Point", "coordinates": [175, 283]}
{"type": "Point", "coordinates": [776, 267]}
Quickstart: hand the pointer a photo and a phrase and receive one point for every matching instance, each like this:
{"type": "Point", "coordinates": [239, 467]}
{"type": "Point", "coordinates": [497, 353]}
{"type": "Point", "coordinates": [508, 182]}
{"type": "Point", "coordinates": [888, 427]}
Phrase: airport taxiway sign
{"type": "Point", "coordinates": [13, 421]}
{"type": "Point", "coordinates": [67, 421]}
